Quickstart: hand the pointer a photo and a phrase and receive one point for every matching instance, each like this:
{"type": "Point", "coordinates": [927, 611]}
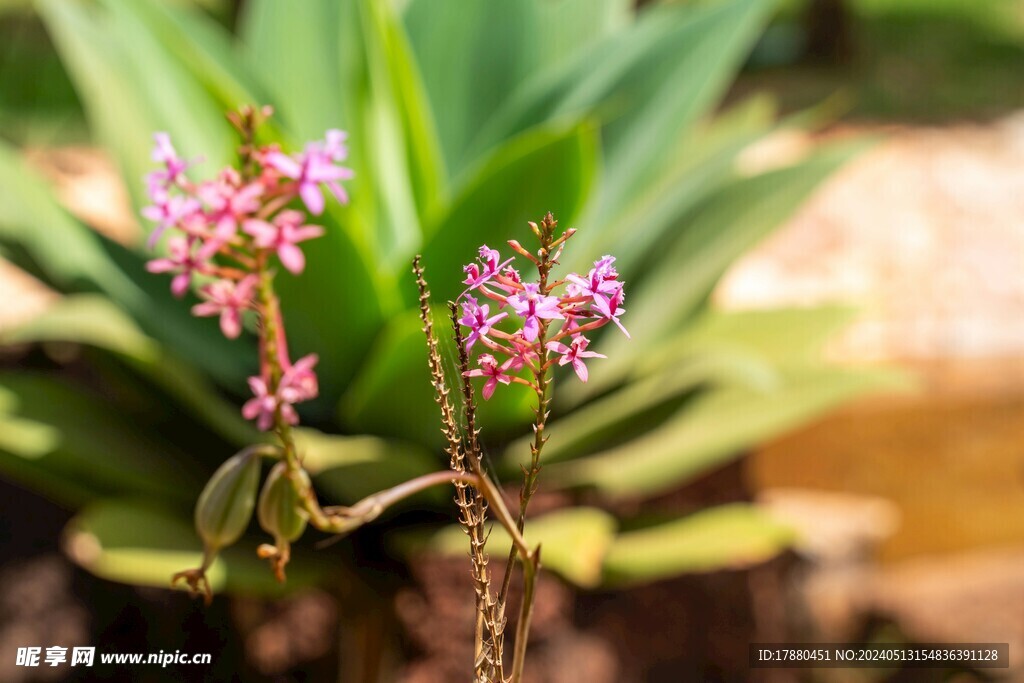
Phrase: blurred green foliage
{"type": "Point", "coordinates": [466, 119]}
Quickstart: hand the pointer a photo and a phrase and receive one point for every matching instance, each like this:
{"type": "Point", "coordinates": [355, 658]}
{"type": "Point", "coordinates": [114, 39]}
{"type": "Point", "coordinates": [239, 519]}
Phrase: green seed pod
{"type": "Point", "coordinates": [279, 512]}
{"type": "Point", "coordinates": [225, 505]}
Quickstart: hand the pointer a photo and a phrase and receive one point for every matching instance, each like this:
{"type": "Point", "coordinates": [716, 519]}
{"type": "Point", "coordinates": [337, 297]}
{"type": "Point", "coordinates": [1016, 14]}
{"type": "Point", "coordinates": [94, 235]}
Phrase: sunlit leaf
{"type": "Point", "coordinates": [716, 426]}
{"type": "Point", "coordinates": [573, 542]}
{"type": "Point", "coordinates": [726, 537]}
{"type": "Point", "coordinates": [133, 542]}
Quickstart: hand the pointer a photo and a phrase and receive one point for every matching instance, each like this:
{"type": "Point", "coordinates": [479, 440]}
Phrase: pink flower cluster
{"type": "Point", "coordinates": [580, 305]}
{"type": "Point", "coordinates": [226, 230]}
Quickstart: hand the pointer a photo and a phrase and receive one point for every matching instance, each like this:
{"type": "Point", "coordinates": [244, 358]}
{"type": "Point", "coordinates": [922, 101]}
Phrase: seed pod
{"type": "Point", "coordinates": [225, 505]}
{"type": "Point", "coordinates": [279, 512]}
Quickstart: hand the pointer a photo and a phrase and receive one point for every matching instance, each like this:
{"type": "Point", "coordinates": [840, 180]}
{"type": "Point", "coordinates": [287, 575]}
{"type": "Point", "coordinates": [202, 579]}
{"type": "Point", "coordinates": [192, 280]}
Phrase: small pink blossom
{"type": "Point", "coordinates": [600, 280]}
{"type": "Point", "coordinates": [494, 373]}
{"type": "Point", "coordinates": [474, 316]}
{"type": "Point", "coordinates": [609, 305]}
{"type": "Point", "coordinates": [282, 236]}
{"type": "Point", "coordinates": [316, 166]}
{"type": "Point", "coordinates": [534, 307]}
{"type": "Point", "coordinates": [182, 260]}
{"type": "Point", "coordinates": [524, 353]}
{"type": "Point", "coordinates": [299, 382]}
{"type": "Point", "coordinates": [227, 299]}
{"type": "Point", "coordinates": [574, 353]}
{"type": "Point", "coordinates": [263, 406]}
{"type": "Point", "coordinates": [480, 273]}
{"type": "Point", "coordinates": [174, 166]}
{"type": "Point", "coordinates": [228, 203]}
{"type": "Point", "coordinates": [167, 211]}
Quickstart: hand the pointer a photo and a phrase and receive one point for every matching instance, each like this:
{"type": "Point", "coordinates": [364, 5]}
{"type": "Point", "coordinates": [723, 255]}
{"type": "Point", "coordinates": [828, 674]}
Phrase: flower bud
{"type": "Point", "coordinates": [279, 512]}
{"type": "Point", "coordinates": [226, 503]}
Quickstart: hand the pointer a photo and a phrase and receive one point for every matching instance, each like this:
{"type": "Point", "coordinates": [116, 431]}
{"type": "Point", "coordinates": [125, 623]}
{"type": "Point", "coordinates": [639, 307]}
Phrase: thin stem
{"type": "Point", "coordinates": [530, 570]}
{"type": "Point", "coordinates": [471, 508]}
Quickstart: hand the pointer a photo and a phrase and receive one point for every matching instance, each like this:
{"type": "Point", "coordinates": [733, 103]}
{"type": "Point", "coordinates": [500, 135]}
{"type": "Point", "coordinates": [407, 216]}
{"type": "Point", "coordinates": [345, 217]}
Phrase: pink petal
{"type": "Point", "coordinates": [230, 323]}
{"type": "Point", "coordinates": [307, 232]}
{"type": "Point", "coordinates": [338, 191]}
{"type": "Point", "coordinates": [288, 414]}
{"type": "Point", "coordinates": [489, 388]}
{"type": "Point", "coordinates": [292, 258]}
{"type": "Point", "coordinates": [284, 163]}
{"type": "Point", "coordinates": [161, 265]}
{"type": "Point", "coordinates": [180, 283]}
{"type": "Point", "coordinates": [206, 309]}
{"type": "Point", "coordinates": [581, 369]}
{"type": "Point", "coordinates": [251, 408]}
{"type": "Point", "coordinates": [311, 195]}
{"type": "Point", "coordinates": [264, 233]}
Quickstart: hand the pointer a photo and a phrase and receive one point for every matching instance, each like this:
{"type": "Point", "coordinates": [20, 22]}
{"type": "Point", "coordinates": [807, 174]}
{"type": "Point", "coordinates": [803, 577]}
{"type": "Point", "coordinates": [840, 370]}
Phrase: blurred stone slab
{"type": "Point", "coordinates": [925, 230]}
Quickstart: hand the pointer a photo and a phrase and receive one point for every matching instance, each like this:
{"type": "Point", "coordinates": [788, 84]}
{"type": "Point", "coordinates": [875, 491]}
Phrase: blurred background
{"type": "Point", "coordinates": [813, 436]}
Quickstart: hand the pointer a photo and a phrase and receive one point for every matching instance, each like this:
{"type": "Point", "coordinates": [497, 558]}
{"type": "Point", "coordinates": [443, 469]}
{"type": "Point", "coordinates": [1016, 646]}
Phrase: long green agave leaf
{"type": "Point", "coordinates": [112, 61]}
{"type": "Point", "coordinates": [721, 228]}
{"type": "Point", "coordinates": [475, 53]}
{"type": "Point", "coordinates": [547, 169]}
{"type": "Point", "coordinates": [573, 542]}
{"type": "Point", "coordinates": [135, 542]}
{"type": "Point", "coordinates": [94, 447]}
{"type": "Point", "coordinates": [726, 537]}
{"type": "Point", "coordinates": [714, 428]}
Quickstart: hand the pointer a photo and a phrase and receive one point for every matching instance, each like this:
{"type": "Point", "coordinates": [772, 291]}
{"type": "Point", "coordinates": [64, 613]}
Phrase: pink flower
{"type": "Point", "coordinates": [575, 353]}
{"type": "Point", "coordinates": [282, 235]}
{"type": "Point", "coordinates": [299, 382]}
{"type": "Point", "coordinates": [167, 211]}
{"type": "Point", "coordinates": [533, 307]}
{"type": "Point", "coordinates": [494, 373]}
{"type": "Point", "coordinates": [600, 280]}
{"type": "Point", "coordinates": [227, 299]}
{"type": "Point", "coordinates": [174, 166]}
{"type": "Point", "coordinates": [228, 204]}
{"type": "Point", "coordinates": [316, 165]}
{"type": "Point", "coordinates": [610, 306]}
{"type": "Point", "coordinates": [475, 318]}
{"type": "Point", "coordinates": [477, 276]}
{"type": "Point", "coordinates": [524, 353]}
{"type": "Point", "coordinates": [181, 260]}
{"type": "Point", "coordinates": [263, 406]}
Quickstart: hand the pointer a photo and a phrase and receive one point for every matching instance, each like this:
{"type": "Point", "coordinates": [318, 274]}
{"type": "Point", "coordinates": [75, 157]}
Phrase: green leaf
{"type": "Point", "coordinates": [644, 83]}
{"type": "Point", "coordinates": [573, 542]}
{"type": "Point", "coordinates": [636, 407]}
{"type": "Point", "coordinates": [202, 46]}
{"type": "Point", "coordinates": [726, 537]}
{"type": "Point", "coordinates": [85, 319]}
{"type": "Point", "coordinates": [406, 156]}
{"type": "Point", "coordinates": [395, 381]}
{"type": "Point", "coordinates": [703, 160]}
{"type": "Point", "coordinates": [724, 226]}
{"type": "Point", "coordinates": [677, 80]}
{"type": "Point", "coordinates": [96, 449]}
{"type": "Point", "coordinates": [780, 337]}
{"type": "Point", "coordinates": [714, 428]}
{"type": "Point", "coordinates": [784, 337]}
{"type": "Point", "coordinates": [334, 310]}
{"type": "Point", "coordinates": [26, 438]}
{"type": "Point", "coordinates": [112, 61]}
{"type": "Point", "coordinates": [138, 544]}
{"type": "Point", "coordinates": [350, 468]}
{"type": "Point", "coordinates": [473, 54]}
{"type": "Point", "coordinates": [294, 49]}
{"type": "Point", "coordinates": [394, 395]}
{"type": "Point", "coordinates": [94, 320]}
{"type": "Point", "coordinates": [551, 169]}
{"type": "Point", "coordinates": [50, 242]}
